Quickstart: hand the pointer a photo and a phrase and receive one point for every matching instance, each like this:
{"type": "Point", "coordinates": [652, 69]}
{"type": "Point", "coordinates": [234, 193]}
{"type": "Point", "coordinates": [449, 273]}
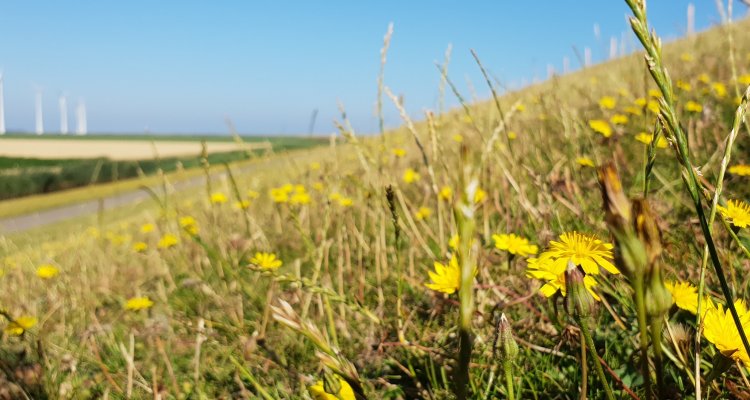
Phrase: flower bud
{"type": "Point", "coordinates": [579, 303]}
{"type": "Point", "coordinates": [508, 349]}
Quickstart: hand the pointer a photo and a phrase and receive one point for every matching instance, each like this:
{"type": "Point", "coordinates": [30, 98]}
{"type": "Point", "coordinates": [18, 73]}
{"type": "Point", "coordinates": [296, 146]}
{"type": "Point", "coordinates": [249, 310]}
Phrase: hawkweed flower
{"type": "Point", "coordinates": [601, 127]}
{"type": "Point", "coordinates": [545, 268]}
{"type": "Point", "coordinates": [453, 242]}
{"type": "Point", "coordinates": [410, 176]}
{"type": "Point", "coordinates": [647, 138]}
{"type": "Point", "coordinates": [607, 102]}
{"type": "Point", "coordinates": [512, 135]}
{"type": "Point", "coordinates": [218, 198]}
{"type": "Point", "coordinates": [399, 152]}
{"type": "Point", "coordinates": [737, 212]}
{"type": "Point", "coordinates": [585, 250]}
{"type": "Point", "coordinates": [686, 57]}
{"type": "Point", "coordinates": [719, 329]}
{"type": "Point", "coordinates": [47, 271]}
{"type": "Point", "coordinates": [300, 198]}
{"type": "Point", "coordinates": [585, 162]}
{"type": "Point", "coordinates": [653, 106]}
{"type": "Point", "coordinates": [265, 261]}
{"type": "Point", "coordinates": [446, 193]}
{"type": "Point", "coordinates": [146, 228]}
{"type": "Point", "coordinates": [704, 78]}
{"type": "Point", "coordinates": [685, 297]}
{"type": "Point", "coordinates": [693, 107]}
{"type": "Point", "coordinates": [336, 390]}
{"type": "Point", "coordinates": [654, 93]}
{"type": "Point", "coordinates": [423, 213]}
{"type": "Point", "coordinates": [479, 196]}
{"type": "Point", "coordinates": [252, 194]}
{"type": "Point", "coordinates": [140, 247]}
{"type": "Point", "coordinates": [719, 89]}
{"type": "Point", "coordinates": [514, 244]}
{"type": "Point", "coordinates": [314, 166]}
{"type": "Point", "coordinates": [744, 79]}
{"type": "Point", "coordinates": [20, 325]}
{"type": "Point", "coordinates": [740, 170]}
{"type": "Point", "coordinates": [138, 303]}
{"type": "Point", "coordinates": [633, 111]}
{"type": "Point", "coordinates": [619, 119]}
{"type": "Point", "coordinates": [279, 195]}
{"type": "Point", "coordinates": [457, 138]}
{"type": "Point", "coordinates": [446, 278]}
{"type": "Point", "coordinates": [168, 241]}
{"type": "Point", "coordinates": [242, 204]}
{"type": "Point", "coordinates": [684, 86]}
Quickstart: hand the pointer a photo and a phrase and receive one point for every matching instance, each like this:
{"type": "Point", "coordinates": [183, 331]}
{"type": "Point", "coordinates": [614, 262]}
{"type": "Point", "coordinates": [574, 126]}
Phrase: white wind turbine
{"type": "Point", "coordinates": [63, 115]}
{"type": "Point", "coordinates": [2, 107]}
{"type": "Point", "coordinates": [81, 128]}
{"type": "Point", "coordinates": [39, 118]}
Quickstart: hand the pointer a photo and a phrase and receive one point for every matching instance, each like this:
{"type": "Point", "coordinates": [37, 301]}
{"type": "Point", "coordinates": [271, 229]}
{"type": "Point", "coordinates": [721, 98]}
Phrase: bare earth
{"type": "Point", "coordinates": [113, 149]}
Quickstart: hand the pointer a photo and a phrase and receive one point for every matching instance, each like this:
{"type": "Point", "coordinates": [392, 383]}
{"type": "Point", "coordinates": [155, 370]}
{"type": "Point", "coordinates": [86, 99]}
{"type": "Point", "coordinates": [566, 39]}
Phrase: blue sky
{"type": "Point", "coordinates": [184, 66]}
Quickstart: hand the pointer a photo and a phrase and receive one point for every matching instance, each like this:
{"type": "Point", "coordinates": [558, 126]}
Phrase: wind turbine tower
{"type": "Point", "coordinates": [38, 113]}
{"type": "Point", "coordinates": [2, 107]}
{"type": "Point", "coordinates": [81, 127]}
{"type": "Point", "coordinates": [63, 115]}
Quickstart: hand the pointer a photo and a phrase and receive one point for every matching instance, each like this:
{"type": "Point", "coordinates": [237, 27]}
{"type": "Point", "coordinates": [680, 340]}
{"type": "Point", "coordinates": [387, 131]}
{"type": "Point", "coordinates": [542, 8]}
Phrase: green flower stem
{"type": "Point", "coordinates": [656, 333]}
{"type": "Point", "coordinates": [586, 332]}
{"type": "Point", "coordinates": [508, 370]}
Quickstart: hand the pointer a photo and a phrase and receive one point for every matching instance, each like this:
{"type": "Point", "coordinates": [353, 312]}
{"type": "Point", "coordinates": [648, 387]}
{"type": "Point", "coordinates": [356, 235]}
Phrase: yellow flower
{"type": "Point", "coordinates": [520, 108]}
{"type": "Point", "coordinates": [242, 205]}
{"type": "Point", "coordinates": [423, 213]}
{"type": "Point", "coordinates": [585, 162]}
{"type": "Point", "coordinates": [140, 247]}
{"type": "Point", "coordinates": [399, 152]}
{"type": "Point", "coordinates": [684, 86]}
{"type": "Point", "coordinates": [168, 240]}
{"type": "Point", "coordinates": [300, 198]}
{"type": "Point", "coordinates": [546, 269]}
{"type": "Point", "coordinates": [647, 138]}
{"type": "Point", "coordinates": [601, 126]}
{"type": "Point", "coordinates": [218, 198]}
{"type": "Point", "coordinates": [411, 175]}
{"type": "Point", "coordinates": [607, 102]}
{"type": "Point", "coordinates": [704, 78]}
{"type": "Point", "coordinates": [279, 195]}
{"type": "Point", "coordinates": [252, 194]}
{"type": "Point", "coordinates": [653, 106]}
{"type": "Point", "coordinates": [314, 166]}
{"type": "Point", "coordinates": [47, 271]}
{"type": "Point", "coordinates": [719, 329]}
{"type": "Point", "coordinates": [585, 250]}
{"type": "Point", "coordinates": [146, 228]}
{"type": "Point", "coordinates": [633, 110]}
{"type": "Point", "coordinates": [265, 261]}
{"type": "Point", "coordinates": [640, 102]}
{"type": "Point", "coordinates": [457, 138]}
{"type": "Point", "coordinates": [318, 186]}
{"type": "Point", "coordinates": [655, 93]}
{"type": "Point", "coordinates": [345, 202]}
{"type": "Point", "coordinates": [692, 106]}
{"type": "Point", "coordinates": [737, 212]}
{"type": "Point", "coordinates": [684, 295]}
{"type": "Point", "coordinates": [686, 57]}
{"type": "Point", "coordinates": [514, 244]}
{"type": "Point", "coordinates": [446, 278]}
{"type": "Point", "coordinates": [318, 392]}
{"type": "Point", "coordinates": [740, 170]}
{"type": "Point", "coordinates": [619, 119]}
{"type": "Point", "coordinates": [446, 193]}
{"type": "Point", "coordinates": [479, 195]}
{"type": "Point", "coordinates": [186, 221]}
{"type": "Point", "coordinates": [20, 325]}
{"type": "Point", "coordinates": [453, 242]}
{"type": "Point", "coordinates": [138, 303]}
{"type": "Point", "coordinates": [719, 89]}
{"type": "Point", "coordinates": [512, 135]}
{"type": "Point", "coordinates": [744, 79]}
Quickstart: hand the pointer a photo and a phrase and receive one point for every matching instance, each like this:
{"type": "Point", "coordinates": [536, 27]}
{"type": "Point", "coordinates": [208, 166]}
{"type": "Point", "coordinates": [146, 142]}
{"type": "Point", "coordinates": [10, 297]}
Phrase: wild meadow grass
{"type": "Point", "coordinates": [586, 237]}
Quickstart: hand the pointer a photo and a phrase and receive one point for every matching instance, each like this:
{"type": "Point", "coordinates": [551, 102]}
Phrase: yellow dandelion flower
{"type": "Point", "coordinates": [453, 242]}
{"type": "Point", "coordinates": [457, 138]}
{"type": "Point", "coordinates": [619, 119]}
{"type": "Point", "coordinates": [218, 198]}
{"type": "Point", "coordinates": [446, 193]}
{"type": "Point", "coordinates": [168, 241]}
{"type": "Point", "coordinates": [410, 176]}
{"type": "Point", "coordinates": [653, 106]}
{"type": "Point", "coordinates": [287, 188]}
{"type": "Point", "coordinates": [318, 186]}
{"type": "Point", "coordinates": [545, 268]}
{"type": "Point", "coordinates": [146, 228]}
{"type": "Point", "coordinates": [607, 103]}
{"type": "Point", "coordinates": [704, 78]}
{"type": "Point", "coordinates": [20, 325]}
{"type": "Point", "coordinates": [423, 213]}
{"type": "Point", "coordinates": [654, 93]}
{"type": "Point", "coordinates": [740, 170]}
{"type": "Point", "coordinates": [300, 198]}
{"type": "Point", "coordinates": [520, 108]}
{"type": "Point", "coordinates": [640, 102]}
{"type": "Point", "coordinates": [693, 107]}
{"type": "Point", "coordinates": [686, 57]}
{"type": "Point", "coordinates": [186, 221]}
{"type": "Point", "coordinates": [585, 162]}
{"type": "Point", "coordinates": [633, 111]}
{"type": "Point", "coordinates": [514, 244]}
{"type": "Point", "coordinates": [512, 135]}
{"type": "Point", "coordinates": [737, 212]}
{"type": "Point", "coordinates": [47, 271]}
{"type": "Point", "coordinates": [719, 329]}
{"type": "Point", "coordinates": [585, 250]}
{"type": "Point", "coordinates": [446, 278]}
{"type": "Point", "coordinates": [601, 126]}
{"type": "Point", "coordinates": [138, 303]}
{"type": "Point", "coordinates": [345, 202]}
{"type": "Point", "coordinates": [647, 138]}
{"type": "Point", "coordinates": [242, 205]}
{"type": "Point", "coordinates": [252, 194]}
{"type": "Point", "coordinates": [684, 86]}
{"type": "Point", "coordinates": [684, 295]}
{"type": "Point", "coordinates": [314, 166]}
{"type": "Point", "coordinates": [266, 261]}
{"type": "Point", "coordinates": [279, 195]}
{"type": "Point", "coordinates": [720, 90]}
{"type": "Point", "coordinates": [140, 247]}
{"type": "Point", "coordinates": [479, 196]}
{"type": "Point", "coordinates": [744, 79]}
{"type": "Point", "coordinates": [318, 391]}
{"type": "Point", "coordinates": [399, 152]}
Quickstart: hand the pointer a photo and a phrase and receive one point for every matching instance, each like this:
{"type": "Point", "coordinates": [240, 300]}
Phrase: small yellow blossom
{"type": "Point", "coordinates": [479, 196]}
{"type": "Point", "coordinates": [279, 195]}
{"type": "Point", "coordinates": [47, 271]}
{"type": "Point", "coordinates": [146, 228]}
{"type": "Point", "coordinates": [684, 295]}
{"type": "Point", "coordinates": [619, 119]}
{"type": "Point", "coordinates": [410, 176]}
{"type": "Point", "coordinates": [654, 93]}
{"type": "Point", "coordinates": [252, 194]}
{"type": "Point", "coordinates": [585, 162]}
{"type": "Point", "coordinates": [740, 170]}
{"type": "Point", "coordinates": [647, 138]}
{"type": "Point", "coordinates": [138, 303]}
{"type": "Point", "coordinates": [399, 152]}
{"type": "Point", "coordinates": [140, 247]}
{"type": "Point", "coordinates": [719, 328]}
{"type": "Point", "coordinates": [585, 250]}
{"type": "Point", "coordinates": [318, 391]}
{"type": "Point", "coordinates": [684, 86]}
{"type": "Point", "coordinates": [744, 79]}
{"type": "Point", "coordinates": [633, 111]}
{"type": "Point", "coordinates": [653, 106]}
{"type": "Point", "coordinates": [186, 221]}
{"type": "Point", "coordinates": [242, 205]}
{"type": "Point", "coordinates": [520, 108]}
{"type": "Point", "coordinates": [512, 135]}
{"type": "Point", "coordinates": [737, 212]}
{"type": "Point", "coordinates": [720, 90]}
{"type": "Point", "coordinates": [446, 193]}
{"type": "Point", "coordinates": [423, 213]}
{"type": "Point", "coordinates": [553, 274]}
{"type": "Point", "coordinates": [453, 242]}
{"type": "Point", "coordinates": [704, 78]}
{"type": "Point", "coordinates": [345, 201]}
{"type": "Point", "coordinates": [694, 107]}
{"type": "Point", "coordinates": [446, 278]}
{"type": "Point", "coordinates": [514, 244]}
{"type": "Point", "coordinates": [314, 166]}
{"type": "Point", "coordinates": [601, 126]}
{"type": "Point", "coordinates": [641, 102]}
{"type": "Point", "coordinates": [457, 138]}
{"type": "Point", "coordinates": [218, 198]}
{"type": "Point", "coordinates": [266, 261]}
{"type": "Point", "coordinates": [686, 57]}
{"type": "Point", "coordinates": [607, 102]}
{"type": "Point", "coordinates": [300, 198]}
{"type": "Point", "coordinates": [168, 241]}
{"type": "Point", "coordinates": [20, 325]}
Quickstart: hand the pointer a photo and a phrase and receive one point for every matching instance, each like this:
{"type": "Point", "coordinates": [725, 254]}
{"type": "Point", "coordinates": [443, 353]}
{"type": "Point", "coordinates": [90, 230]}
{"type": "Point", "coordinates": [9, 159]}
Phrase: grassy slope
{"type": "Point", "coordinates": [534, 189]}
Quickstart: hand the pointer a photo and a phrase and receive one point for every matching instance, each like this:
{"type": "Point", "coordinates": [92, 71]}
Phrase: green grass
{"type": "Point", "coordinates": [354, 275]}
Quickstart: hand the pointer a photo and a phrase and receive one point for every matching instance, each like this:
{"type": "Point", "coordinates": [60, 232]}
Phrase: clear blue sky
{"type": "Point", "coordinates": [182, 66]}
